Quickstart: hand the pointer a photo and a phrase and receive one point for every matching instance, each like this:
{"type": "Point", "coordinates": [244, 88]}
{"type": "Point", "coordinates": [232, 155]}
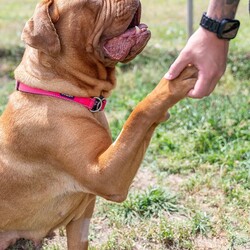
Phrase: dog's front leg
{"type": "Point", "coordinates": [117, 166]}
{"type": "Point", "coordinates": [78, 230]}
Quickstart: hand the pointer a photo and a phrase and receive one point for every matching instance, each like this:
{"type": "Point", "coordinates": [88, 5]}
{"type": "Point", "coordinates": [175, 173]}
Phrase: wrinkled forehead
{"type": "Point", "coordinates": [119, 14]}
{"type": "Point", "coordinates": [113, 6]}
{"type": "Point", "coordinates": [112, 15]}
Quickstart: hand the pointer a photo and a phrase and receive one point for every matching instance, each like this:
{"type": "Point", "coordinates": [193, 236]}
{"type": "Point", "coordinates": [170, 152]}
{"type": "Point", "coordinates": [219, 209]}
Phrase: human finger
{"type": "Point", "coordinates": [177, 67]}
{"type": "Point", "coordinates": [202, 88]}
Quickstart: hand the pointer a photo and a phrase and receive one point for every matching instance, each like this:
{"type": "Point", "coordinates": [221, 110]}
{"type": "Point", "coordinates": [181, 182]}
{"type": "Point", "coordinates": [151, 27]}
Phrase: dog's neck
{"type": "Point", "coordinates": [74, 74]}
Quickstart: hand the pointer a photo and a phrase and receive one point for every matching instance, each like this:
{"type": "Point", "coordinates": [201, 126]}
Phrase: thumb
{"type": "Point", "coordinates": [176, 68]}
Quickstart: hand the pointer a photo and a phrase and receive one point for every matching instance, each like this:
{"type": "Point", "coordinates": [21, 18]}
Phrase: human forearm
{"type": "Point", "coordinates": [219, 9]}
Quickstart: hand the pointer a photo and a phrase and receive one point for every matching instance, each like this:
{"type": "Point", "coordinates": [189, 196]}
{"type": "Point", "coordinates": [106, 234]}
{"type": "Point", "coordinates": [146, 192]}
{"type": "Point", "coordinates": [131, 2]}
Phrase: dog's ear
{"type": "Point", "coordinates": [39, 32]}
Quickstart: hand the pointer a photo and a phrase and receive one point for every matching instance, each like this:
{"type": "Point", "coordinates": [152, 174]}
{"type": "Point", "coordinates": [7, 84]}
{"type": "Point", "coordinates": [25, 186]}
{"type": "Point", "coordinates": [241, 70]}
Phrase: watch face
{"type": "Point", "coordinates": [228, 29]}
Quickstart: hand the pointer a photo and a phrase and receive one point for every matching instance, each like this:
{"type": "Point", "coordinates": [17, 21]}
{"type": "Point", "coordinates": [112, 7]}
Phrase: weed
{"type": "Point", "coordinates": [176, 235]}
{"type": "Point", "coordinates": [150, 203]}
{"type": "Point", "coordinates": [201, 224]}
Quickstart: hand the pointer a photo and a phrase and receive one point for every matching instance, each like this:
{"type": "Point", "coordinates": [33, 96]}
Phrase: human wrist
{"type": "Point", "coordinates": [216, 16]}
{"type": "Point", "coordinates": [224, 29]}
{"type": "Point", "coordinates": [210, 36]}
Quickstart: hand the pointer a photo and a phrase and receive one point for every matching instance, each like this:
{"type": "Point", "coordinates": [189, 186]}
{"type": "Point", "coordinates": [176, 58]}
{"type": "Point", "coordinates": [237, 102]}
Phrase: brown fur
{"type": "Point", "coordinates": [56, 156]}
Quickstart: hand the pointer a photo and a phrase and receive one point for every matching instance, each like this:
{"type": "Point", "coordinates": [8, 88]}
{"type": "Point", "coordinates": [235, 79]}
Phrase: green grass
{"type": "Point", "coordinates": [13, 15]}
{"type": "Point", "coordinates": [193, 189]}
{"type": "Point", "coordinates": [147, 204]}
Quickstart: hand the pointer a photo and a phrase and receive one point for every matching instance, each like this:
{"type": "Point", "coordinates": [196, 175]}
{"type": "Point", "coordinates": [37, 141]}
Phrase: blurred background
{"type": "Point", "coordinates": [193, 189]}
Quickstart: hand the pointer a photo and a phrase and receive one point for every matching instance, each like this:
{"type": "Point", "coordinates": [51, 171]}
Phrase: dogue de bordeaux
{"type": "Point", "coordinates": [56, 151]}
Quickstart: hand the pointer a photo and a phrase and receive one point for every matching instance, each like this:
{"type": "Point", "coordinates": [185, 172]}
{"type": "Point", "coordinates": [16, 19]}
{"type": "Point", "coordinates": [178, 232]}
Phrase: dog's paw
{"type": "Point", "coordinates": [169, 92]}
{"type": "Point", "coordinates": [180, 86]}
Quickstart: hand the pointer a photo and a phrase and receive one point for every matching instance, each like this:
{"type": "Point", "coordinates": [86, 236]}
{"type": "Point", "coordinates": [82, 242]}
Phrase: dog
{"type": "Point", "coordinates": [56, 151]}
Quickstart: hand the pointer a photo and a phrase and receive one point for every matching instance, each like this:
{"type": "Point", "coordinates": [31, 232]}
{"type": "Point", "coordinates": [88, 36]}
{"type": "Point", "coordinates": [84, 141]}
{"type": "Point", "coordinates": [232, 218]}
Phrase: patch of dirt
{"type": "Point", "coordinates": [144, 179]}
{"type": "Point", "coordinates": [203, 243]}
{"type": "Point", "coordinates": [174, 182]}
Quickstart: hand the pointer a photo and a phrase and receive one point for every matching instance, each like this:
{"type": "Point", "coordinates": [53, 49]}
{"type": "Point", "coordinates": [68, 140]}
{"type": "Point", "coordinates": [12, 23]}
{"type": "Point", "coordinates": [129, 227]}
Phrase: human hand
{"type": "Point", "coordinates": [209, 55]}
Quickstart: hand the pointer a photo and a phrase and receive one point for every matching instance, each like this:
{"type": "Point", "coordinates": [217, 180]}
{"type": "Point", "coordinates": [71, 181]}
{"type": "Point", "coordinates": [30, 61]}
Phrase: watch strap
{"type": "Point", "coordinates": [209, 23]}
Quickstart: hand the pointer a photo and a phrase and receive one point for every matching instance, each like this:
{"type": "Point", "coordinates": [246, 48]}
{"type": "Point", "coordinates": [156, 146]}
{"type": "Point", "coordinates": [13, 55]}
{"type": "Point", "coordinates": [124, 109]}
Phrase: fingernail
{"type": "Point", "coordinates": [168, 76]}
{"type": "Point", "coordinates": [190, 93]}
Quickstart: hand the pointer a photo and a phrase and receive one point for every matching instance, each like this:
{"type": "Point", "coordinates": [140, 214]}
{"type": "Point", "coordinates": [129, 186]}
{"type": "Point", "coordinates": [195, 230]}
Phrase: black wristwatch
{"type": "Point", "coordinates": [225, 29]}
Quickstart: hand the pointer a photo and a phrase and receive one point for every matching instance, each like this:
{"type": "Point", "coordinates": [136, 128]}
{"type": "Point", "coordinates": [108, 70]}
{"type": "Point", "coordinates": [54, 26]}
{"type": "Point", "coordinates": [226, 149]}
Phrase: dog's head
{"type": "Point", "coordinates": [108, 29]}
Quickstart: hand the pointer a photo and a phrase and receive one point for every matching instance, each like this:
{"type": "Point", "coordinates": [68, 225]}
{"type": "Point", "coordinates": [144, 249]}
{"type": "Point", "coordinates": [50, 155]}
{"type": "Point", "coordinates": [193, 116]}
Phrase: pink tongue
{"type": "Point", "coordinates": [119, 47]}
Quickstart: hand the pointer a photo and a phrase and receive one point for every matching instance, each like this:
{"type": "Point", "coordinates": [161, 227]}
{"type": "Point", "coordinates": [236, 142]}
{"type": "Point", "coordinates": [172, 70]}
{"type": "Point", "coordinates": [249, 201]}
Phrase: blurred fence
{"type": "Point", "coordinates": [190, 15]}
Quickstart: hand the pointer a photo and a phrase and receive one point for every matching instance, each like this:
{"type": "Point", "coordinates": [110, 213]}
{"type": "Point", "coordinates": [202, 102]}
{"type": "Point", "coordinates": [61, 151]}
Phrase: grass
{"type": "Point", "coordinates": [142, 205]}
{"type": "Point", "coordinates": [193, 189]}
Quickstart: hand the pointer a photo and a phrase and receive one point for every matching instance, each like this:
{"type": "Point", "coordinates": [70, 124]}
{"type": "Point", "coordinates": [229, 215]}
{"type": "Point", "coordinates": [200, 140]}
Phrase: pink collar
{"type": "Point", "coordinates": [94, 104]}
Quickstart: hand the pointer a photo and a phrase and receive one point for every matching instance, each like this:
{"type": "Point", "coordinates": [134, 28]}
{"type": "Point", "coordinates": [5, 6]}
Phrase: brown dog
{"type": "Point", "coordinates": [56, 155]}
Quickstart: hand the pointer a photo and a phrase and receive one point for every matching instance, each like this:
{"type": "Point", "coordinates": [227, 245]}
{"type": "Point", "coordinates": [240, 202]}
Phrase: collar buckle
{"type": "Point", "coordinates": [99, 104]}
